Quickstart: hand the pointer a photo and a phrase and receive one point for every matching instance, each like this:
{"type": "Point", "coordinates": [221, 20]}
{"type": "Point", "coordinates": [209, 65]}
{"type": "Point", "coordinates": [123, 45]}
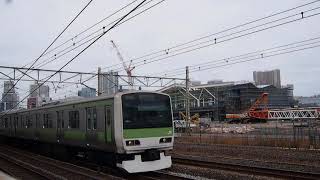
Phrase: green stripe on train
{"type": "Point", "coordinates": [74, 135]}
{"type": "Point", "coordinates": [147, 132]}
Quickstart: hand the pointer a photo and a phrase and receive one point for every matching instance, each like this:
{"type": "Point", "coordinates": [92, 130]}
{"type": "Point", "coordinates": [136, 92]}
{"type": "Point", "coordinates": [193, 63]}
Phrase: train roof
{"type": "Point", "coordinates": [72, 102]}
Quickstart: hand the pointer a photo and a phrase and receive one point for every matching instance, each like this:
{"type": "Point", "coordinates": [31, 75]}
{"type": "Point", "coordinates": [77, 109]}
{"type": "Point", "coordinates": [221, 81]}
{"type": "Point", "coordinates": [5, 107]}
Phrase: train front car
{"type": "Point", "coordinates": [146, 131]}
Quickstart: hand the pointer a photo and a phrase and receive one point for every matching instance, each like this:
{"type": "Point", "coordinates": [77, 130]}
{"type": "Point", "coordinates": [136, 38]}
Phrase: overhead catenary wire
{"type": "Point", "coordinates": [82, 32]}
{"type": "Point", "coordinates": [267, 56]}
{"type": "Point", "coordinates": [86, 40]}
{"type": "Point", "coordinates": [78, 54]}
{"type": "Point", "coordinates": [170, 55]}
{"type": "Point", "coordinates": [144, 10]}
{"type": "Point", "coordinates": [91, 37]}
{"type": "Point", "coordinates": [255, 57]}
{"type": "Point", "coordinates": [210, 43]}
{"type": "Point", "coordinates": [36, 60]}
{"type": "Point", "coordinates": [254, 53]}
{"type": "Point", "coordinates": [165, 51]}
{"type": "Point", "coordinates": [296, 14]}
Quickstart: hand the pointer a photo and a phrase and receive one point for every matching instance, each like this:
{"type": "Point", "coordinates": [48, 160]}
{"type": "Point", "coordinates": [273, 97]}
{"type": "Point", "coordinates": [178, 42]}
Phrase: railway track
{"type": "Point", "coordinates": [252, 170]}
{"type": "Point", "coordinates": [38, 167]}
{"type": "Point", "coordinates": [121, 174]}
{"type": "Point", "coordinates": [162, 175]}
{"type": "Point", "coordinates": [253, 162]}
{"type": "Point", "coordinates": [15, 170]}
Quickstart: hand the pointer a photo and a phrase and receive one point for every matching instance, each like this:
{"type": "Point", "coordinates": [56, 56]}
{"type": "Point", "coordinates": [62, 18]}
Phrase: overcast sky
{"type": "Point", "coordinates": [28, 27]}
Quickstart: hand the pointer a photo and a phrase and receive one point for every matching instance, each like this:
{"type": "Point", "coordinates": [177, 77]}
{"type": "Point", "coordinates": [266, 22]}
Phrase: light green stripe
{"type": "Point", "coordinates": [74, 135]}
{"type": "Point", "coordinates": [101, 137]}
{"type": "Point", "coordinates": [147, 132]}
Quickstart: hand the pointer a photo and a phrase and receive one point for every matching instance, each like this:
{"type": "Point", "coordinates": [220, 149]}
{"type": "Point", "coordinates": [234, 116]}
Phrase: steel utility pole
{"type": "Point", "coordinates": [99, 81]}
{"type": "Point", "coordinates": [187, 99]}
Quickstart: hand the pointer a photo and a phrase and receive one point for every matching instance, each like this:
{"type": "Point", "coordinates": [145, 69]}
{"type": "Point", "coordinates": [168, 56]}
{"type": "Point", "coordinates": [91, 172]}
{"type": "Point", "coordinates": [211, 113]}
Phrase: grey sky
{"type": "Point", "coordinates": [27, 27]}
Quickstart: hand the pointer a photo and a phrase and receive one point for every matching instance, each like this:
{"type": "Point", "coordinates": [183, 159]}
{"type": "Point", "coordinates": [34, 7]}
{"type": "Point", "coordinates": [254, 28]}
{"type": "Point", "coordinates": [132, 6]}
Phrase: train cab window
{"type": "Point", "coordinates": [91, 118]}
{"type": "Point", "coordinates": [74, 119]}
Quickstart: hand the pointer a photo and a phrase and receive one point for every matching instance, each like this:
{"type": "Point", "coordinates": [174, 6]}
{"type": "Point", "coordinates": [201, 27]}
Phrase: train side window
{"type": "Point", "coordinates": [91, 118]}
{"type": "Point", "coordinates": [94, 118]}
{"type": "Point", "coordinates": [6, 124]}
{"type": "Point", "coordinates": [74, 119]}
{"type": "Point", "coordinates": [37, 120]}
{"type": "Point", "coordinates": [21, 122]}
{"type": "Point", "coordinates": [29, 121]}
{"type": "Point", "coordinates": [16, 118]}
{"type": "Point", "coordinates": [46, 123]}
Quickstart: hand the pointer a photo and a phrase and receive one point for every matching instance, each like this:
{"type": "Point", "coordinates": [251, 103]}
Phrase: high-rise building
{"type": "Point", "coordinates": [87, 92]}
{"type": "Point", "coordinates": [9, 96]}
{"type": "Point", "coordinates": [36, 91]}
{"type": "Point", "coordinates": [108, 83]}
{"type": "Point", "coordinates": [267, 78]}
{"type": "Point", "coordinates": [38, 95]}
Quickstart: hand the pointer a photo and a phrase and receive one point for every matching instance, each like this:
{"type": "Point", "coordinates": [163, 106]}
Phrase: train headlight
{"type": "Point", "coordinates": [133, 143]}
{"type": "Point", "coordinates": [165, 140]}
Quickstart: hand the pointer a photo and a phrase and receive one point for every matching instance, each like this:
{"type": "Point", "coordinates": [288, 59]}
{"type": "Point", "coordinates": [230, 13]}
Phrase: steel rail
{"type": "Point", "coordinates": [66, 168]}
{"type": "Point", "coordinates": [262, 171]}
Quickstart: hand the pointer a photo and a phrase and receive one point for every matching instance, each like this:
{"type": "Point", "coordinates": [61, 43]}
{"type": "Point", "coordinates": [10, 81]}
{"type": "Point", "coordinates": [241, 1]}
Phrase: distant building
{"type": "Point", "coordinates": [195, 83]}
{"type": "Point", "coordinates": [312, 101]}
{"type": "Point", "coordinates": [9, 96]}
{"type": "Point", "coordinates": [267, 78]}
{"type": "Point", "coordinates": [38, 95]}
{"type": "Point", "coordinates": [36, 91]}
{"type": "Point", "coordinates": [216, 100]}
{"type": "Point", "coordinates": [108, 83]}
{"type": "Point", "coordinates": [87, 92]}
{"type": "Point", "coordinates": [215, 81]}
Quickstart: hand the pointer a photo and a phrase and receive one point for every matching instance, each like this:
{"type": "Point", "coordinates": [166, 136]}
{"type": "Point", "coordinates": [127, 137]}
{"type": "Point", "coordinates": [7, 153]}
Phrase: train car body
{"type": "Point", "coordinates": [132, 130]}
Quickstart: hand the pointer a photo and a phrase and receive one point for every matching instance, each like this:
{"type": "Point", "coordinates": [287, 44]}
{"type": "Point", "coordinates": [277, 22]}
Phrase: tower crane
{"type": "Point", "coordinates": [128, 69]}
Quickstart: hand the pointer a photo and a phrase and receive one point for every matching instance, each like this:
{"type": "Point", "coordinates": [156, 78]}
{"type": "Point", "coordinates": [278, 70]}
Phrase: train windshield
{"type": "Point", "coordinates": [146, 110]}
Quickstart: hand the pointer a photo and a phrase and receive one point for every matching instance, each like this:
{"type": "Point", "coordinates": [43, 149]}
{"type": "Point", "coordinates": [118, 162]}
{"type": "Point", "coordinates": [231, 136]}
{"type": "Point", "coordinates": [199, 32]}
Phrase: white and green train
{"type": "Point", "coordinates": [131, 130]}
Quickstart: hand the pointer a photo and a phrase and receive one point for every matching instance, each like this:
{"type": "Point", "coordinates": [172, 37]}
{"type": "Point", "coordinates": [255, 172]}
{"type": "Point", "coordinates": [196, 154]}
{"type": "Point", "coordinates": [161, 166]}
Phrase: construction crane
{"type": "Point", "coordinates": [258, 111]}
{"type": "Point", "coordinates": [128, 69]}
{"type": "Point", "coordinates": [195, 119]}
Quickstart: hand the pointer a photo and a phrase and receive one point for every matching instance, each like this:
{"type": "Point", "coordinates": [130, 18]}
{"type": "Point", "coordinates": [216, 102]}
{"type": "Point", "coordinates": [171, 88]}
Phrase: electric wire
{"type": "Point", "coordinates": [259, 52]}
{"type": "Point", "coordinates": [36, 60]}
{"type": "Point", "coordinates": [220, 32]}
{"type": "Point", "coordinates": [210, 43]}
{"type": "Point", "coordinates": [78, 54]}
{"type": "Point", "coordinates": [257, 57]}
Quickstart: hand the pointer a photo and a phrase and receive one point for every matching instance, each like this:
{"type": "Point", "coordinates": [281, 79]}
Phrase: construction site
{"type": "Point", "coordinates": [245, 114]}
